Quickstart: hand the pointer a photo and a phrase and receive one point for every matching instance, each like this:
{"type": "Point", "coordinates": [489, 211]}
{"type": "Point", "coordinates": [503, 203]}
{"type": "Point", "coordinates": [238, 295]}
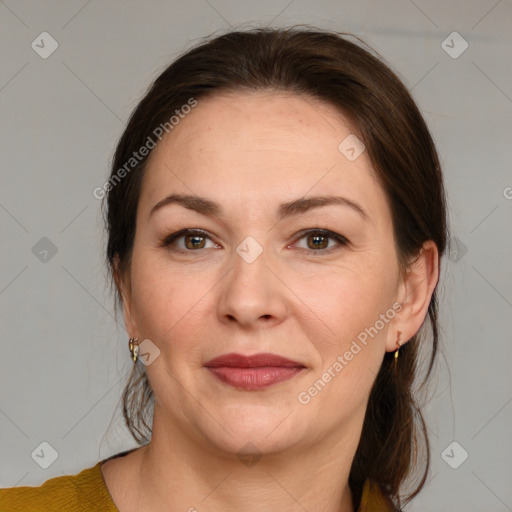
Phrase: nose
{"type": "Point", "coordinates": [252, 294]}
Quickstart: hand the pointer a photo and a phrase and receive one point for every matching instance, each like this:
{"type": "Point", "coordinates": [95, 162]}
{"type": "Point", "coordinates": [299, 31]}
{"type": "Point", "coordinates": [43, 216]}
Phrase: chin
{"type": "Point", "coordinates": [246, 429]}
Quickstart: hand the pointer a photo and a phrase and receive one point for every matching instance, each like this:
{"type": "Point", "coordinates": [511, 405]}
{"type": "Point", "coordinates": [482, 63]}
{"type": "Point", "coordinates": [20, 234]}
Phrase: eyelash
{"type": "Point", "coordinates": [167, 241]}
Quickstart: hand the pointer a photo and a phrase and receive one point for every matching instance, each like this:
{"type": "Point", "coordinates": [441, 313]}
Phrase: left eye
{"type": "Point", "coordinates": [318, 240]}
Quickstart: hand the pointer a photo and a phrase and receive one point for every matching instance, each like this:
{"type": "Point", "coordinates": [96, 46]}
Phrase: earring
{"type": "Point", "coordinates": [400, 343]}
{"type": "Point", "coordinates": [133, 345]}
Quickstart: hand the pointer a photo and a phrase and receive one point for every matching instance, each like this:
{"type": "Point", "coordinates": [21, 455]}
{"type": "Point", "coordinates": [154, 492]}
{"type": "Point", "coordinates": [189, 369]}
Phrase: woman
{"type": "Point", "coordinates": [276, 220]}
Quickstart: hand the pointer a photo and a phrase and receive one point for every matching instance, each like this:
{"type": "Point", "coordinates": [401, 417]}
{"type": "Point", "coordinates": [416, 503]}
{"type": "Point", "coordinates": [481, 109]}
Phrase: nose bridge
{"type": "Point", "coordinates": [251, 292]}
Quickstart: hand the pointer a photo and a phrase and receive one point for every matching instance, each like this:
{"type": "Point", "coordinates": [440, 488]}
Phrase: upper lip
{"type": "Point", "coordinates": [255, 361]}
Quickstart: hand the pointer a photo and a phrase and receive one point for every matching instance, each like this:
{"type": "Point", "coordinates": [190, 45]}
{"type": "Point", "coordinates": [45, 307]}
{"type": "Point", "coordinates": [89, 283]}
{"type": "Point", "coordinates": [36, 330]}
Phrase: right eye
{"type": "Point", "coordinates": [193, 240]}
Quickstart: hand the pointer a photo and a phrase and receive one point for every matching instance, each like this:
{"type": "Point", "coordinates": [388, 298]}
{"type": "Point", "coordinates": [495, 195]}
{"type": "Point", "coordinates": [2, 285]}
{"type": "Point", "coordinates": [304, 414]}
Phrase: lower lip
{"type": "Point", "coordinates": [252, 379]}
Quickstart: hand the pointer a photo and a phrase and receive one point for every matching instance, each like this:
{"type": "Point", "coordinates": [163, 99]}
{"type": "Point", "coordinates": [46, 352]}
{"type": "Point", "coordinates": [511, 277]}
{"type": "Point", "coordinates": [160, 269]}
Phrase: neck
{"type": "Point", "coordinates": [180, 471]}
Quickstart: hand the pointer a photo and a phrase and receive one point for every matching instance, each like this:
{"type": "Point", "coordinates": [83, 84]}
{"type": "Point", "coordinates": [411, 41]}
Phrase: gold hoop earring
{"type": "Point", "coordinates": [133, 345]}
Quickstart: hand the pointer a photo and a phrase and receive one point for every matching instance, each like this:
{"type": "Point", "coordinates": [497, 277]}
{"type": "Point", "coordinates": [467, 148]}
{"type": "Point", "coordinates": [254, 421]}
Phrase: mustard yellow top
{"type": "Point", "coordinates": [87, 492]}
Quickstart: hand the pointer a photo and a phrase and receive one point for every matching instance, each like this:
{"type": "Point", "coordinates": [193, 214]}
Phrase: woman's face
{"type": "Point", "coordinates": [261, 278]}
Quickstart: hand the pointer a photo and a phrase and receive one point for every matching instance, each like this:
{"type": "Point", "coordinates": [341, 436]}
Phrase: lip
{"type": "Point", "coordinates": [254, 372]}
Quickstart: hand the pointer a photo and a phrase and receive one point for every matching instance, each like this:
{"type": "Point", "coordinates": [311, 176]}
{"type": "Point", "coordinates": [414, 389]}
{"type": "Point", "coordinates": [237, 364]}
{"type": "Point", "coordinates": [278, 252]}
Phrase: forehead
{"type": "Point", "coordinates": [257, 147]}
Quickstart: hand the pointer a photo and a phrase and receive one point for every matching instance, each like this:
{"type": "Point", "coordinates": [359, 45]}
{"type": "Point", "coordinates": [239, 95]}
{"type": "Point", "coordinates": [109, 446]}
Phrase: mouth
{"type": "Point", "coordinates": [251, 373]}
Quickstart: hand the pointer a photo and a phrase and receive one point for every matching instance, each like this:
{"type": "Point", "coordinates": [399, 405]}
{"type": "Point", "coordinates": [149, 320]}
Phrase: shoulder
{"type": "Point", "coordinates": [85, 491]}
{"type": "Point", "coordinates": [373, 499]}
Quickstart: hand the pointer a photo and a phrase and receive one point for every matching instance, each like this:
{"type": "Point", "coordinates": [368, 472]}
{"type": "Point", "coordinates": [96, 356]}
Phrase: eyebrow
{"type": "Point", "coordinates": [208, 207]}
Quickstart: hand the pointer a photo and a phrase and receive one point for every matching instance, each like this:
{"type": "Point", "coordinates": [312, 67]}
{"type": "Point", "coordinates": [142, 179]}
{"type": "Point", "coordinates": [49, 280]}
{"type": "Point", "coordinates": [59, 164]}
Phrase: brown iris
{"type": "Point", "coordinates": [197, 241]}
{"type": "Point", "coordinates": [317, 241]}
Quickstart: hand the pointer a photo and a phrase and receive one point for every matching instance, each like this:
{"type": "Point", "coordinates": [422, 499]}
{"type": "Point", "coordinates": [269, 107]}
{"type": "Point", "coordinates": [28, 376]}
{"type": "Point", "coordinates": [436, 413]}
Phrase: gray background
{"type": "Point", "coordinates": [64, 361]}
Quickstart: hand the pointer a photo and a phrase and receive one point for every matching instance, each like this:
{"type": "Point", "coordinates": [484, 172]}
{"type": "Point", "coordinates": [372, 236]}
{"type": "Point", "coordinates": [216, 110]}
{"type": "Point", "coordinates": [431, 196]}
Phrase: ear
{"type": "Point", "coordinates": [123, 286]}
{"type": "Point", "coordinates": [414, 294]}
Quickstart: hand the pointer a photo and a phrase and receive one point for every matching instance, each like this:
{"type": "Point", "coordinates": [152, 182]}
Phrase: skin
{"type": "Point", "coordinates": [250, 152]}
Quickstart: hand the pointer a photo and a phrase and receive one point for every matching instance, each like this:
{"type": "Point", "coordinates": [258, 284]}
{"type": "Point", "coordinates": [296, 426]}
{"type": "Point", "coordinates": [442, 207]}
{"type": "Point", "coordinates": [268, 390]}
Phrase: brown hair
{"type": "Point", "coordinates": [347, 75]}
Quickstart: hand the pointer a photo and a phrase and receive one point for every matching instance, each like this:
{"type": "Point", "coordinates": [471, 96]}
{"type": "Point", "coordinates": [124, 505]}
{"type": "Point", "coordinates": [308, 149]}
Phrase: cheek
{"type": "Point", "coordinates": [348, 338]}
{"type": "Point", "coordinates": [348, 297]}
{"type": "Point", "coordinates": [348, 332]}
{"type": "Point", "coordinates": [155, 294]}
{"type": "Point", "coordinates": [168, 303]}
